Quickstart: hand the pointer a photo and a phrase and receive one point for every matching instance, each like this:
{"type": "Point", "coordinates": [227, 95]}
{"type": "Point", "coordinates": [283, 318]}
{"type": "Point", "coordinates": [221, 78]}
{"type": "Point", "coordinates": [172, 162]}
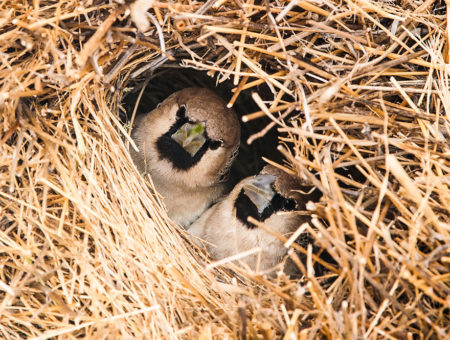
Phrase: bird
{"type": "Point", "coordinates": [187, 144]}
{"type": "Point", "coordinates": [273, 197]}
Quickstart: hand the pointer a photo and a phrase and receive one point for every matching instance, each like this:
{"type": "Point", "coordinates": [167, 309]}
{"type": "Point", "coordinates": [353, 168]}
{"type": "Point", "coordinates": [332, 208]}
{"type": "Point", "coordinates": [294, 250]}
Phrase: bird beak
{"type": "Point", "coordinates": [259, 190]}
{"type": "Point", "coordinates": [190, 137]}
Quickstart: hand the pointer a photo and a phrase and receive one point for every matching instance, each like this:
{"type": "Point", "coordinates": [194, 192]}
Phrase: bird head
{"type": "Point", "coordinates": [192, 134]}
{"type": "Point", "coordinates": [273, 197]}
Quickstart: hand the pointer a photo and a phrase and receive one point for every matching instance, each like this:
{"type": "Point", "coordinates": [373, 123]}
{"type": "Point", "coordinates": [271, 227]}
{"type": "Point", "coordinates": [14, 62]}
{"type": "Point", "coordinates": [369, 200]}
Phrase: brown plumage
{"type": "Point", "coordinates": [187, 145]}
{"type": "Point", "coordinates": [272, 197]}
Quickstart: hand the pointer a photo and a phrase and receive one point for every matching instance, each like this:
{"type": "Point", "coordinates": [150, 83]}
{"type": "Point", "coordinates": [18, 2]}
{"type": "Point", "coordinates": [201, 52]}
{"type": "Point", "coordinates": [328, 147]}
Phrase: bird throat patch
{"type": "Point", "coordinates": [183, 132]}
{"type": "Point", "coordinates": [245, 207]}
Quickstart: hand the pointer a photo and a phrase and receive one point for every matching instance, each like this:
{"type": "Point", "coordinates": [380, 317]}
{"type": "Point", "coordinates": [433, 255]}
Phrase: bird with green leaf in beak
{"type": "Point", "coordinates": [191, 137]}
{"type": "Point", "coordinates": [187, 145]}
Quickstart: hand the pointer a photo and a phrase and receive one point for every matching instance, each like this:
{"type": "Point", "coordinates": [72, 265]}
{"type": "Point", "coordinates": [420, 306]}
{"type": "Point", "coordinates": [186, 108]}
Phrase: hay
{"type": "Point", "coordinates": [358, 92]}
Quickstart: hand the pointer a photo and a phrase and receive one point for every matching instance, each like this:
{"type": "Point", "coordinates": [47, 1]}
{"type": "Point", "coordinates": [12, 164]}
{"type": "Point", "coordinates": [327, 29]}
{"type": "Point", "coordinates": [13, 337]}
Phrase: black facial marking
{"type": "Point", "coordinates": [281, 203]}
{"type": "Point", "coordinates": [181, 113]}
{"type": "Point", "coordinates": [289, 204]}
{"type": "Point", "coordinates": [245, 208]}
{"type": "Point", "coordinates": [215, 144]}
{"type": "Point", "coordinates": [174, 153]}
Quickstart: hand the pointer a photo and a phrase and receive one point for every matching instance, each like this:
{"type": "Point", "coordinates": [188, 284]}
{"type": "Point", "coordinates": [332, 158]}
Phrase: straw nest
{"type": "Point", "coordinates": [357, 93]}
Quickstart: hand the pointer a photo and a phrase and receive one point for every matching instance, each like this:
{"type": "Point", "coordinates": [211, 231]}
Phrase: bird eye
{"type": "Point", "coordinates": [215, 144]}
{"type": "Point", "coordinates": [181, 113]}
{"type": "Point", "coordinates": [289, 204]}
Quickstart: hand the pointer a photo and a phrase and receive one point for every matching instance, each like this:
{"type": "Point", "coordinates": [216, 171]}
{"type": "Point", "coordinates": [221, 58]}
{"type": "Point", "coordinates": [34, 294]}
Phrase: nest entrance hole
{"type": "Point", "coordinates": [168, 80]}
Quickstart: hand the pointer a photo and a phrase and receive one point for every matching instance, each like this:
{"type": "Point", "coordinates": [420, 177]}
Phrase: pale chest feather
{"type": "Point", "coordinates": [184, 204]}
